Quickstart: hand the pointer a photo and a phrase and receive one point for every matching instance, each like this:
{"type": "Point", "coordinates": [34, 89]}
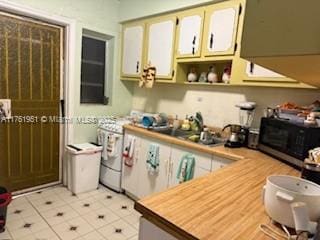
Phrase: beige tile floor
{"type": "Point", "coordinates": [56, 214]}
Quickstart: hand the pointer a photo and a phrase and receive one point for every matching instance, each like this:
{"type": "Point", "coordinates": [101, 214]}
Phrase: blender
{"type": "Point", "coordinates": [246, 116]}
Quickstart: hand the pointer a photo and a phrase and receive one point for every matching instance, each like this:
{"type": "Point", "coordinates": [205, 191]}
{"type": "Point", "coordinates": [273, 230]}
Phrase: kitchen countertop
{"type": "Point", "coordinates": [232, 154]}
{"type": "Point", "coordinates": [225, 204]}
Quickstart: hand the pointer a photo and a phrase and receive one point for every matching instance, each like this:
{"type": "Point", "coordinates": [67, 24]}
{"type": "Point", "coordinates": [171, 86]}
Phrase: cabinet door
{"type": "Point", "coordinates": [190, 33]}
{"type": "Point", "coordinates": [221, 29]}
{"type": "Point", "coordinates": [151, 183]}
{"type": "Point", "coordinates": [254, 70]}
{"type": "Point", "coordinates": [132, 50]}
{"type": "Point", "coordinates": [161, 38]}
{"type": "Point", "coordinates": [202, 166]}
{"type": "Point", "coordinates": [220, 162]}
{"type": "Point", "coordinates": [148, 230]}
{"type": "Point", "coordinates": [130, 175]}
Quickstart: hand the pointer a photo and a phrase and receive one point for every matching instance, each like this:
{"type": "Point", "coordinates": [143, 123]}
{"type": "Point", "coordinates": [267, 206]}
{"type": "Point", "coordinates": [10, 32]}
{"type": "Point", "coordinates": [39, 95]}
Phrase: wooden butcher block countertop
{"type": "Point", "coordinates": [223, 205]}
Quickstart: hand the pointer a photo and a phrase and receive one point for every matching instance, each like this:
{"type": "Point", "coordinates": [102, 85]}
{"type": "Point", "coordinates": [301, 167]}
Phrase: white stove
{"type": "Point", "coordinates": [113, 124]}
{"type": "Point", "coordinates": [110, 136]}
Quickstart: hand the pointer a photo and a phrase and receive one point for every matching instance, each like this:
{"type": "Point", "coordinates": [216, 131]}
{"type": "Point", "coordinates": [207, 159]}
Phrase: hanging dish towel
{"type": "Point", "coordinates": [128, 152]}
{"type": "Point", "coordinates": [111, 145]}
{"type": "Point", "coordinates": [186, 168]}
{"type": "Point", "coordinates": [153, 159]}
{"type": "Point", "coordinates": [102, 141]}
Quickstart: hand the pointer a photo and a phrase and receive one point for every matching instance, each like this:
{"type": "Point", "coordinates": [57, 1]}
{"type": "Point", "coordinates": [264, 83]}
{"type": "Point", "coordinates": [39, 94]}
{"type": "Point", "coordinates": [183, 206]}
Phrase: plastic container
{"type": "Point", "coordinates": [5, 199]}
{"type": "Point", "coordinates": [83, 167]}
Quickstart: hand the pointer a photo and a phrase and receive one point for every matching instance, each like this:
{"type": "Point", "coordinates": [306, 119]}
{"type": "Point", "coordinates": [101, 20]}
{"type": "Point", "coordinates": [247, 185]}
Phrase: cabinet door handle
{"type": "Point", "coordinates": [194, 40]}
{"type": "Point", "coordinates": [211, 41]}
{"type": "Point", "coordinates": [251, 67]}
{"type": "Point", "coordinates": [193, 50]}
{"type": "Point", "coordinates": [137, 68]}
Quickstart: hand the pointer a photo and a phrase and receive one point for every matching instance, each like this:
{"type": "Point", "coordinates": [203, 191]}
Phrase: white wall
{"type": "Point", "coordinates": [130, 9]}
{"type": "Point", "coordinates": [217, 104]}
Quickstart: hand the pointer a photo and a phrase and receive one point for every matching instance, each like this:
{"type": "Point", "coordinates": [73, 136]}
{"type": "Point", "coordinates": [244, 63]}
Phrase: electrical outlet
{"type": "Point", "coordinates": [199, 99]}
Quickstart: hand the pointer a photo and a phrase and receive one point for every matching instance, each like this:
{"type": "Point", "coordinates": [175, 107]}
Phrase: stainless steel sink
{"type": "Point", "coordinates": [184, 135]}
{"type": "Point", "coordinates": [175, 133]}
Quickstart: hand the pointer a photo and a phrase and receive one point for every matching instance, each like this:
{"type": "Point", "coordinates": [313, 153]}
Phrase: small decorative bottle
{"type": "Point", "coordinates": [192, 76]}
{"type": "Point", "coordinates": [226, 74]}
{"type": "Point", "coordinates": [212, 75]}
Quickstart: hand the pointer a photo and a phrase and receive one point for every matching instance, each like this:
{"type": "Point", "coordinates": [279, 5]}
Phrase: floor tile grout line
{"type": "Point", "coordinates": [101, 201]}
{"type": "Point", "coordinates": [44, 219]}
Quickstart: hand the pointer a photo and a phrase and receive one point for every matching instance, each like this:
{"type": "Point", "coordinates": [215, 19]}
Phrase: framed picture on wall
{"type": "Point", "coordinates": [5, 109]}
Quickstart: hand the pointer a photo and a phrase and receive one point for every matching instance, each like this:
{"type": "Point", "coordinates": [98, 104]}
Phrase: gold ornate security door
{"type": "Point", "coordinates": [30, 54]}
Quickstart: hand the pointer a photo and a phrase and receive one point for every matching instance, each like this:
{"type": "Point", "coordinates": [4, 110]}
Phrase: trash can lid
{"type": "Point", "coordinates": [84, 148]}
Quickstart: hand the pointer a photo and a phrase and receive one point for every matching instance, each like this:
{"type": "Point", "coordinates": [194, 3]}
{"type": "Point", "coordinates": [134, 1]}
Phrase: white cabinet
{"type": "Point", "coordinates": [132, 49]}
{"type": "Point", "coordinates": [153, 182]}
{"type": "Point", "coordinates": [254, 70]}
{"type": "Point", "coordinates": [221, 29]}
{"type": "Point", "coordinates": [160, 40]}
{"type": "Point", "coordinates": [220, 162]}
{"type": "Point", "coordinates": [148, 231]}
{"type": "Point", "coordinates": [190, 34]}
{"type": "Point", "coordinates": [139, 182]}
{"type": "Point", "coordinates": [203, 164]}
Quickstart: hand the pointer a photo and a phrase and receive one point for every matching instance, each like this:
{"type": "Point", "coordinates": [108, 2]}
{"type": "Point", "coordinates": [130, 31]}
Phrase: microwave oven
{"type": "Point", "coordinates": [288, 141]}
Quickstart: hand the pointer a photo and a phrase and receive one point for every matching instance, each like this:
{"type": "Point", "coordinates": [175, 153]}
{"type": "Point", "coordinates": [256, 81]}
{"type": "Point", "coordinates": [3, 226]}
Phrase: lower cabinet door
{"type": "Point", "coordinates": [130, 175]}
{"type": "Point", "coordinates": [148, 231]}
{"type": "Point", "coordinates": [153, 182]}
{"type": "Point", "coordinates": [202, 165]}
{"type": "Point", "coordinates": [220, 162]}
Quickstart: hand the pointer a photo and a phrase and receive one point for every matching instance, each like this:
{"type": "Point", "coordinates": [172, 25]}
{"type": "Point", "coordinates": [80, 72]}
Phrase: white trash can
{"type": "Point", "coordinates": [83, 167]}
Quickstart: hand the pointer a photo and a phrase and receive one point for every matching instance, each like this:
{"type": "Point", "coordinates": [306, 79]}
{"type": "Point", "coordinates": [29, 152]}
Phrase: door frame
{"type": "Point", "coordinates": [67, 72]}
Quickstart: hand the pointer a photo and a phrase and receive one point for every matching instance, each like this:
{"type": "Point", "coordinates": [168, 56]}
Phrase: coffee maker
{"type": "Point", "coordinates": [238, 136]}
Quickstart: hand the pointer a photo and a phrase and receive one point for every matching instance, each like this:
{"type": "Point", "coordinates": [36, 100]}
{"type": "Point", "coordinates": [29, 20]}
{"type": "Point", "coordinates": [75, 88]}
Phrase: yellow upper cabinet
{"type": "Point", "coordinates": [160, 42]}
{"type": "Point", "coordinates": [284, 36]}
{"type": "Point", "coordinates": [251, 74]}
{"type": "Point", "coordinates": [132, 49]}
{"type": "Point", "coordinates": [189, 33]}
{"type": "Point", "coordinates": [220, 30]}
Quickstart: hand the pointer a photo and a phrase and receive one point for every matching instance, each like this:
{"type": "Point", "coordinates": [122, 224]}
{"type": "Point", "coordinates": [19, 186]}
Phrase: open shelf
{"type": "Point", "coordinates": [183, 69]}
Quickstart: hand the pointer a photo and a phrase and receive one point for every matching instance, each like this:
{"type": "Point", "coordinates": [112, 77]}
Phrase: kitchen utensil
{"type": "Point", "coordinates": [253, 138]}
{"type": "Point", "coordinates": [311, 172]}
{"type": "Point", "coordinates": [293, 202]}
{"type": "Point", "coordinates": [147, 121]}
{"type": "Point", "coordinates": [176, 123]}
{"type": "Point", "coordinates": [237, 137]}
{"type": "Point", "coordinates": [206, 136]}
{"type": "Point", "coordinates": [161, 119]}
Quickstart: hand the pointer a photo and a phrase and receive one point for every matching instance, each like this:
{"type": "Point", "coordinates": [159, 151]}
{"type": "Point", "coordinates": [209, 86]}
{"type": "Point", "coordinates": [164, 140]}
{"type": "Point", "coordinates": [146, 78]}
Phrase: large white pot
{"type": "Point", "coordinates": [282, 194]}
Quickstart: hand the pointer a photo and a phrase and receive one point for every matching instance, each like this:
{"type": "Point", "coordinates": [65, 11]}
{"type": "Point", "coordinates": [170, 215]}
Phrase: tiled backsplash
{"type": "Point", "coordinates": [216, 103]}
